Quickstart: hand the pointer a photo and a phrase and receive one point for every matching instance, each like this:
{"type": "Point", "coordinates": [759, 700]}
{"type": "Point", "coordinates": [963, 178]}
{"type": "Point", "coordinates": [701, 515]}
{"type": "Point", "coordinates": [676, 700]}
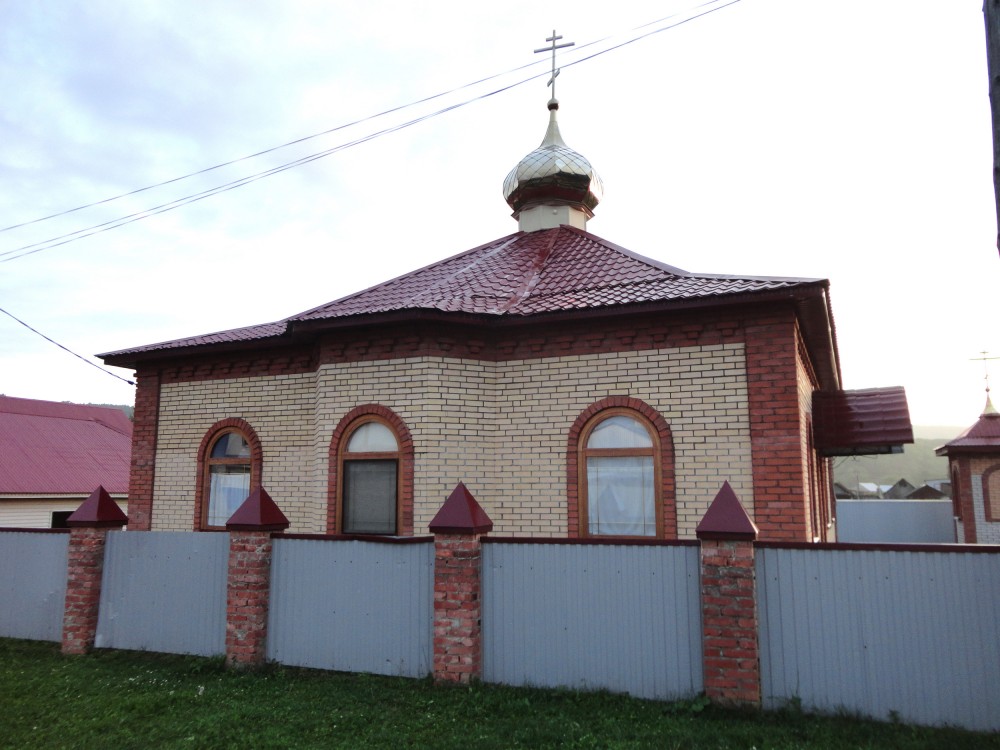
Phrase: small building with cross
{"type": "Point", "coordinates": [577, 388]}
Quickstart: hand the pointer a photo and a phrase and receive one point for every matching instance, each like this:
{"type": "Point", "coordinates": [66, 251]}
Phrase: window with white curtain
{"type": "Point", "coordinates": [228, 476]}
{"type": "Point", "coordinates": [619, 476]}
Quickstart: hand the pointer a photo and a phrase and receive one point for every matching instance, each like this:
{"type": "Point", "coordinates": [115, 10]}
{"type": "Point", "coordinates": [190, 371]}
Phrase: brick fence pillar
{"type": "Point", "coordinates": [248, 583]}
{"type": "Point", "coordinates": [458, 527]}
{"type": "Point", "coordinates": [731, 658]}
{"type": "Point", "coordinates": [89, 525]}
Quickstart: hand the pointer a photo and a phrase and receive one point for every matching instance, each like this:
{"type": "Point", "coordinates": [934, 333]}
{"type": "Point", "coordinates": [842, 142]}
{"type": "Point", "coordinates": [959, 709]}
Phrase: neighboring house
{"type": "Point", "coordinates": [902, 488]}
{"type": "Point", "coordinates": [941, 485]}
{"type": "Point", "coordinates": [870, 490]}
{"type": "Point", "coordinates": [577, 388]}
{"type": "Point", "coordinates": [974, 464]}
{"type": "Point", "coordinates": [926, 492]}
{"type": "Point", "coordinates": [54, 455]}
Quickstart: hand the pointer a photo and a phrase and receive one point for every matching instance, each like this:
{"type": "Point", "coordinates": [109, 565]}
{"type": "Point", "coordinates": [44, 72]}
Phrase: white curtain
{"type": "Point", "coordinates": [620, 496]}
{"type": "Point", "coordinates": [228, 490]}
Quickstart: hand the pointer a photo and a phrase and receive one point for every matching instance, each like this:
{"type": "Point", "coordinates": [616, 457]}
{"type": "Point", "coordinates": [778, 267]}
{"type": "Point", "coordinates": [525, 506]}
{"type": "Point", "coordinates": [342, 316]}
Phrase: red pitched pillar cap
{"type": "Point", "coordinates": [461, 514]}
{"type": "Point", "coordinates": [258, 513]}
{"type": "Point", "coordinates": [98, 511]}
{"type": "Point", "coordinates": [726, 519]}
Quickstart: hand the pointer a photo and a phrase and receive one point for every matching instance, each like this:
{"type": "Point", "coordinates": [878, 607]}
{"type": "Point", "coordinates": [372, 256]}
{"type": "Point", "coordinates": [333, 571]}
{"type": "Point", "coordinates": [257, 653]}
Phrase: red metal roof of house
{"type": "Point", "coordinates": [870, 421]}
{"type": "Point", "coordinates": [560, 270]}
{"type": "Point", "coordinates": [50, 447]}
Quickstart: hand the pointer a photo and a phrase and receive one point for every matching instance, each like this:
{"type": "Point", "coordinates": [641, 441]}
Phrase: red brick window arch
{"type": "Point", "coordinates": [230, 464]}
{"type": "Point", "coordinates": [371, 474]}
{"type": "Point", "coordinates": [620, 478]}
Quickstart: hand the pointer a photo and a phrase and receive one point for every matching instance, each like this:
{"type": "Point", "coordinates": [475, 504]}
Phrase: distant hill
{"type": "Point", "coordinates": [917, 464]}
{"type": "Point", "coordinates": [129, 410]}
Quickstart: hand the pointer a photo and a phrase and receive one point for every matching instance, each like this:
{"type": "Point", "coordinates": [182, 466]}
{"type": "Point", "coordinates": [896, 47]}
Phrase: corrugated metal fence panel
{"type": "Point", "coordinates": [353, 606]}
{"type": "Point", "coordinates": [32, 605]}
{"type": "Point", "coordinates": [617, 617]}
{"type": "Point", "coordinates": [895, 521]}
{"type": "Point", "coordinates": [884, 633]}
{"type": "Point", "coordinates": [164, 591]}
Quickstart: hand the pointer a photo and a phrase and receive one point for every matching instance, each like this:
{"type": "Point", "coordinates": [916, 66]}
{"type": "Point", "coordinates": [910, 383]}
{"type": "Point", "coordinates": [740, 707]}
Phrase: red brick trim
{"type": "Point", "coordinates": [145, 427]}
{"type": "Point", "coordinates": [987, 503]}
{"type": "Point", "coordinates": [668, 504]}
{"type": "Point", "coordinates": [487, 341]}
{"type": "Point", "coordinates": [290, 360]}
{"type": "Point", "coordinates": [344, 427]}
{"type": "Point", "coordinates": [230, 424]}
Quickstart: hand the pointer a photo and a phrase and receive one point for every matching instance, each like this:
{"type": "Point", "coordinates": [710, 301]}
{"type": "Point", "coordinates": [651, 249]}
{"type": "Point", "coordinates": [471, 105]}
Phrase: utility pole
{"type": "Point", "coordinates": [991, 12]}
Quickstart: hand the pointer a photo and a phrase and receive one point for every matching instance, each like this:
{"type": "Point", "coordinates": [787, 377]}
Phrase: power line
{"type": "Point", "coordinates": [263, 152]}
{"type": "Point", "coordinates": [53, 341]}
{"type": "Point", "coordinates": [64, 239]}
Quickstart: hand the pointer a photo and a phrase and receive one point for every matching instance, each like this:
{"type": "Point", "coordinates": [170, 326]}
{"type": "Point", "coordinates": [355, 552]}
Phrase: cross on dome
{"type": "Point", "coordinates": [986, 359]}
{"type": "Point", "coordinates": [553, 185]}
{"type": "Point", "coordinates": [555, 71]}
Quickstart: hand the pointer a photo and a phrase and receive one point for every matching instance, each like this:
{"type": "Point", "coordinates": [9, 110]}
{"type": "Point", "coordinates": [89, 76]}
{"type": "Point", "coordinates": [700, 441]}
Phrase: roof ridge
{"type": "Point", "coordinates": [501, 242]}
{"type": "Point", "coordinates": [680, 271]}
{"type": "Point", "coordinates": [499, 247]}
{"type": "Point", "coordinates": [531, 281]}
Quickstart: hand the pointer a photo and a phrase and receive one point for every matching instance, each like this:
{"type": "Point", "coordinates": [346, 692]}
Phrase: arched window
{"type": "Point", "coordinates": [229, 468]}
{"type": "Point", "coordinates": [369, 479]}
{"type": "Point", "coordinates": [620, 488]}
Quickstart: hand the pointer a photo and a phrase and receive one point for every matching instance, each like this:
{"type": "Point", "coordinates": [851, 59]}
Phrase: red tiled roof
{"type": "Point", "coordinates": [555, 270]}
{"type": "Point", "coordinates": [863, 422]}
{"type": "Point", "coordinates": [982, 437]}
{"type": "Point", "coordinates": [48, 447]}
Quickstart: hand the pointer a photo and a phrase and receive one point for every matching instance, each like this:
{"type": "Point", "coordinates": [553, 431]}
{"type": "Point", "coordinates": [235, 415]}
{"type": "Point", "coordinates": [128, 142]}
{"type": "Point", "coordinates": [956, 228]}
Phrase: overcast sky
{"type": "Point", "coordinates": [848, 141]}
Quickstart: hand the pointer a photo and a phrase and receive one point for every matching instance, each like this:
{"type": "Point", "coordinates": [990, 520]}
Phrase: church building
{"type": "Point", "coordinates": [577, 388]}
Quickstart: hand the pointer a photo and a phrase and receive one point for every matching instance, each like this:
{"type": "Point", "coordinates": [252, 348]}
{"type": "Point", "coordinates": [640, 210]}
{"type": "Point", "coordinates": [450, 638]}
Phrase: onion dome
{"type": "Point", "coordinates": [553, 184]}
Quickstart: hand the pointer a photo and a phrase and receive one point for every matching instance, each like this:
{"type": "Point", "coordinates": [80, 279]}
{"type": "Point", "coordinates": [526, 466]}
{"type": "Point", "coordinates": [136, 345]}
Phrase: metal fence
{"type": "Point", "coordinates": [625, 618]}
{"type": "Point", "coordinates": [32, 584]}
{"type": "Point", "coordinates": [882, 632]}
{"type": "Point", "coordinates": [354, 606]}
{"type": "Point", "coordinates": [164, 591]}
{"type": "Point", "coordinates": [895, 521]}
{"type": "Point", "coordinates": [890, 631]}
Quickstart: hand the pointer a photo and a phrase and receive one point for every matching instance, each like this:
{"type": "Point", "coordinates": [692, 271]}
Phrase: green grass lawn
{"type": "Point", "coordinates": [120, 699]}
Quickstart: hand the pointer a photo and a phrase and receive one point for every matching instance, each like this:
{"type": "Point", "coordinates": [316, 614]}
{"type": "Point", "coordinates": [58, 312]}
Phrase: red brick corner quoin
{"type": "Point", "coordinates": [458, 527]}
{"type": "Point", "coordinates": [729, 603]}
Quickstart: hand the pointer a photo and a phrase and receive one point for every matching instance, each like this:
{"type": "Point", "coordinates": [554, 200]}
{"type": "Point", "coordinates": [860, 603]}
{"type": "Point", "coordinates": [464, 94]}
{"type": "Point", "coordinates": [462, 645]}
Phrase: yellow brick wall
{"type": "Point", "coordinates": [279, 408]}
{"type": "Point", "coordinates": [501, 427]}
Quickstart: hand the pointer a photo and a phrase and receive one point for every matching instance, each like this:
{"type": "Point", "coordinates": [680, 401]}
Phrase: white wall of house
{"type": "Point", "coordinates": [35, 511]}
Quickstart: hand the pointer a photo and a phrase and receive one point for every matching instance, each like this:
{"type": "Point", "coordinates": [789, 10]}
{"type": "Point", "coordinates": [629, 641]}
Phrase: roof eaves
{"type": "Point", "coordinates": [194, 345]}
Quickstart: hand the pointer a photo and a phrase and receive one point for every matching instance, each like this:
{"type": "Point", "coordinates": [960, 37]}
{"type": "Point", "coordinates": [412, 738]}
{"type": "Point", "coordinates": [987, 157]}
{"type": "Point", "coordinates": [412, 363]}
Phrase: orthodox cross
{"type": "Point", "coordinates": [555, 71]}
{"type": "Point", "coordinates": [985, 359]}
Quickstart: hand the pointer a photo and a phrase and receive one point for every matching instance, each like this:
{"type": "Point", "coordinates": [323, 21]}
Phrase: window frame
{"type": "Point", "coordinates": [576, 518]}
{"type": "Point", "coordinates": [205, 461]}
{"type": "Point", "coordinates": [585, 453]}
{"type": "Point", "coordinates": [344, 456]}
